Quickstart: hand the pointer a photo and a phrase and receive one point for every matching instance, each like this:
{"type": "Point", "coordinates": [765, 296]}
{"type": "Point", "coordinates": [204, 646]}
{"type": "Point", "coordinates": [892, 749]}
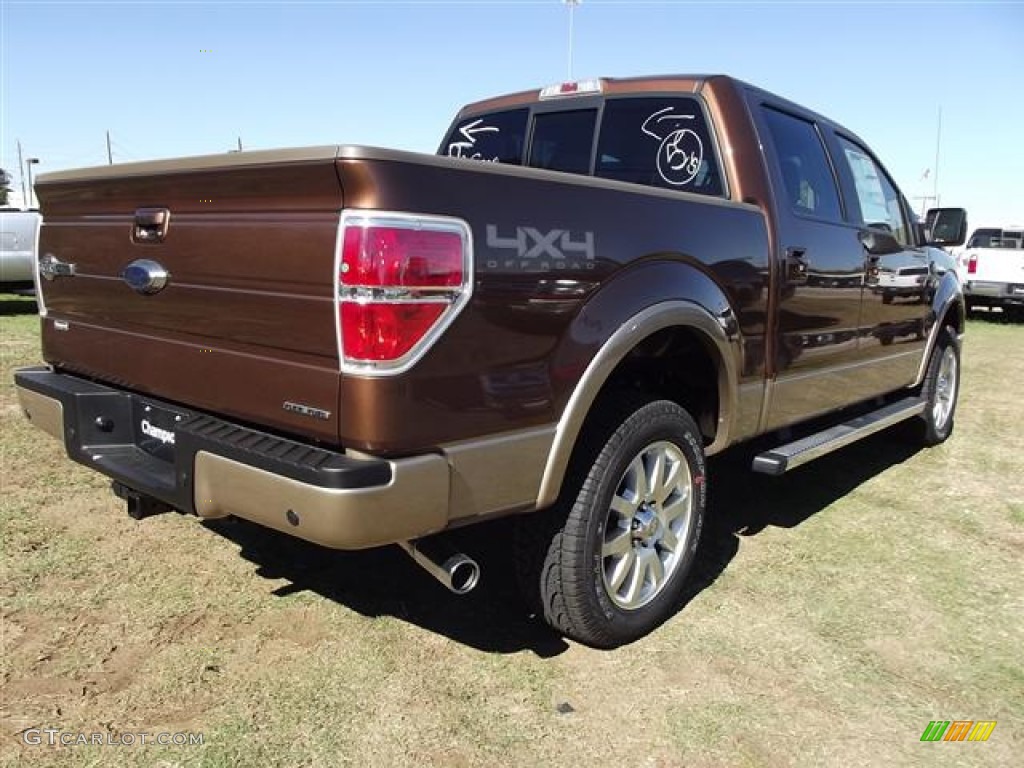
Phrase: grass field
{"type": "Point", "coordinates": [835, 612]}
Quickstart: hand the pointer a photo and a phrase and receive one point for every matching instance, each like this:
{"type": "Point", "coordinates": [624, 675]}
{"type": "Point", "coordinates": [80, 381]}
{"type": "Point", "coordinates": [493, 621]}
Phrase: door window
{"type": "Point", "coordinates": [879, 201]}
{"type": "Point", "coordinates": [808, 182]}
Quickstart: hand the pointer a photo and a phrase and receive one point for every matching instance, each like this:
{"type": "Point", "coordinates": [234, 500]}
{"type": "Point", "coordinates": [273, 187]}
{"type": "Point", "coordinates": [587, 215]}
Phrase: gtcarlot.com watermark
{"type": "Point", "coordinates": [54, 737]}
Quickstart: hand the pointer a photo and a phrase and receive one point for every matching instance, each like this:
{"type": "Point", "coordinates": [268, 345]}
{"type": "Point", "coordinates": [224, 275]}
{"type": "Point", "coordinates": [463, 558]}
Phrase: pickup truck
{"type": "Point", "coordinates": [588, 290]}
{"type": "Point", "coordinates": [992, 268]}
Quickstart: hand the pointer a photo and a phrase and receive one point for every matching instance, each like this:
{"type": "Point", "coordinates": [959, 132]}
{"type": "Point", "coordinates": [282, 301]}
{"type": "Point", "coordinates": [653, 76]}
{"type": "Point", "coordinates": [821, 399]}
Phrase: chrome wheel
{"type": "Point", "coordinates": [945, 389]}
{"type": "Point", "coordinates": [648, 525]}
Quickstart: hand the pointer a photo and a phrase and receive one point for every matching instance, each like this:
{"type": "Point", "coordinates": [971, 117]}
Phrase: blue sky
{"type": "Point", "coordinates": [185, 78]}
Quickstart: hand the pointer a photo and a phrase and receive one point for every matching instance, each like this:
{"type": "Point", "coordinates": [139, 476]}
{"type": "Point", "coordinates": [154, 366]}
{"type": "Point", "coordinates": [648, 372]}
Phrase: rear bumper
{"type": "Point", "coordinates": [214, 468]}
{"type": "Point", "coordinates": [16, 267]}
{"type": "Point", "coordinates": [995, 293]}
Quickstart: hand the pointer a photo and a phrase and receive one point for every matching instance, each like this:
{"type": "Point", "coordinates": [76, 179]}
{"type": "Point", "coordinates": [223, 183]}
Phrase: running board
{"type": "Point", "coordinates": [791, 455]}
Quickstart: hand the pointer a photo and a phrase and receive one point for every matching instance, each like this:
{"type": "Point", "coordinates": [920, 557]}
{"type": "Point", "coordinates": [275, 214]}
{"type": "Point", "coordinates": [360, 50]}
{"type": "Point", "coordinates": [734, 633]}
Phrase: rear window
{"type": "Point", "coordinates": [655, 141]}
{"type": "Point", "coordinates": [496, 138]}
{"type": "Point", "coordinates": [985, 238]}
{"type": "Point", "coordinates": [660, 142]}
{"type": "Point", "coordinates": [562, 140]}
{"type": "Point", "coordinates": [996, 238]}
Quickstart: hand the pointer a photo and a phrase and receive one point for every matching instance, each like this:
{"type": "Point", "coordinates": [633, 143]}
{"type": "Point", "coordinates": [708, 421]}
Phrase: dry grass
{"type": "Point", "coordinates": [835, 612]}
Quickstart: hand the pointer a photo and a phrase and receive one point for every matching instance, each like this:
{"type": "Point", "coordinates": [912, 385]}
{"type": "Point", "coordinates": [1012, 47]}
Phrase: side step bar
{"type": "Point", "coordinates": [787, 457]}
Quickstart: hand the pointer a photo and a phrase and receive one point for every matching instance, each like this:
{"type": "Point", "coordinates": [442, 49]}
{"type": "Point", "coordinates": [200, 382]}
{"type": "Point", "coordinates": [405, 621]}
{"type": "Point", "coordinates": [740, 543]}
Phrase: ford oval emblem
{"type": "Point", "coordinates": [145, 276]}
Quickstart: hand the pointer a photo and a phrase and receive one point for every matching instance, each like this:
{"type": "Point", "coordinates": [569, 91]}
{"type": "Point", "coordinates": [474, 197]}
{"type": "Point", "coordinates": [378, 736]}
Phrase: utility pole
{"type": "Point", "coordinates": [21, 173]}
{"type": "Point", "coordinates": [572, 7]}
{"type": "Point", "coordinates": [110, 156]}
{"type": "Point", "coordinates": [239, 143]}
{"type": "Point", "coordinates": [938, 145]}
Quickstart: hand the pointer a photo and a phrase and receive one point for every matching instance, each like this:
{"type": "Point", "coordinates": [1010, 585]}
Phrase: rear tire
{"type": "Point", "coordinates": [940, 389]}
{"type": "Point", "coordinates": [608, 563]}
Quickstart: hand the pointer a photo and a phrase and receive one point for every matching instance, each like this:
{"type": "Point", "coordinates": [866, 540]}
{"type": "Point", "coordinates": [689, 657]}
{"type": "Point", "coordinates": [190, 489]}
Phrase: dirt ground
{"type": "Point", "coordinates": [834, 612]}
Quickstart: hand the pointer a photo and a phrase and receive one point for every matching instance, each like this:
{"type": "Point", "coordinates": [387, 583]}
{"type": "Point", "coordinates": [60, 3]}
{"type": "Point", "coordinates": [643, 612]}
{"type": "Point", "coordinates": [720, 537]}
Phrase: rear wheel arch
{"type": "Point", "coordinates": [620, 364]}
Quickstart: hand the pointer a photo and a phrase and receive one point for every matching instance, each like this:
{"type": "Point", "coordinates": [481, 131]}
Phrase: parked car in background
{"type": "Point", "coordinates": [991, 268]}
{"type": "Point", "coordinates": [19, 232]}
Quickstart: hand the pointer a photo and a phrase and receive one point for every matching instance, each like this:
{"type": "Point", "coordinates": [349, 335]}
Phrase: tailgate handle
{"type": "Point", "coordinates": [150, 225]}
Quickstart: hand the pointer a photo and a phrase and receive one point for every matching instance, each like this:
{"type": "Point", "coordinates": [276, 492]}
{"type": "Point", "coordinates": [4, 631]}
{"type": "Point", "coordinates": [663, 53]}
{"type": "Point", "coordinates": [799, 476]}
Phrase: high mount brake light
{"type": "Point", "coordinates": [401, 280]}
{"type": "Point", "coordinates": [578, 88]}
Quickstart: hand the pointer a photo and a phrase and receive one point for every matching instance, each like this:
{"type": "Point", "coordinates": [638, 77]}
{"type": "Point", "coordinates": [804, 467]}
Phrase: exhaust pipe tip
{"type": "Point", "coordinates": [458, 572]}
{"type": "Point", "coordinates": [463, 573]}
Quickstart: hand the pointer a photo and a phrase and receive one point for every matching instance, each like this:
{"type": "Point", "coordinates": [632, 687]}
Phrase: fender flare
{"type": "Point", "coordinates": [949, 297]}
{"type": "Point", "coordinates": [718, 332]}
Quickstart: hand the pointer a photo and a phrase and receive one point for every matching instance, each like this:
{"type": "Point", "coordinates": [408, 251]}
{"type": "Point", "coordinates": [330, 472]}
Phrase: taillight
{"type": "Point", "coordinates": [972, 264]}
{"type": "Point", "coordinates": [401, 280]}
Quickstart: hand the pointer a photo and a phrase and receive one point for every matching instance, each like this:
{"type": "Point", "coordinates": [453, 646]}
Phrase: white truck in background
{"type": "Point", "coordinates": [19, 233]}
{"type": "Point", "coordinates": [991, 268]}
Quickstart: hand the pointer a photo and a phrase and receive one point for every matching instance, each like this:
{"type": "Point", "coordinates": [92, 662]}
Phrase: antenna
{"type": "Point", "coordinates": [938, 147]}
{"type": "Point", "coordinates": [572, 8]}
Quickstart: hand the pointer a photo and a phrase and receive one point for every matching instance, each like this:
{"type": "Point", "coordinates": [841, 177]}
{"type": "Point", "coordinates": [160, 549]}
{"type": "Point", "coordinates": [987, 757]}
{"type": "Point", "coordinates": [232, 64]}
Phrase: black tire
{"type": "Point", "coordinates": [940, 389]}
{"type": "Point", "coordinates": [568, 557]}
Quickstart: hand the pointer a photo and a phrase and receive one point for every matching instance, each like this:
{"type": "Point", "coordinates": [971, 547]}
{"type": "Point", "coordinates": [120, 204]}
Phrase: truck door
{"type": "Point", "coordinates": [898, 285]}
{"type": "Point", "coordinates": [820, 273]}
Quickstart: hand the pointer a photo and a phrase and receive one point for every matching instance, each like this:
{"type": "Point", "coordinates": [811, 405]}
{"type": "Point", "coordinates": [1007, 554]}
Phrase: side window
{"type": "Point", "coordinates": [879, 201]}
{"type": "Point", "coordinates": [661, 142]}
{"type": "Point", "coordinates": [809, 184]}
{"type": "Point", "coordinates": [562, 140]}
{"type": "Point", "coordinates": [497, 138]}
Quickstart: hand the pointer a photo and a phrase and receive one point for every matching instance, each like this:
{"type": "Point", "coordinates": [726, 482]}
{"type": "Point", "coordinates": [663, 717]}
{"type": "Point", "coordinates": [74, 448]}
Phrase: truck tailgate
{"type": "Point", "coordinates": [997, 265]}
{"type": "Point", "coordinates": [245, 322]}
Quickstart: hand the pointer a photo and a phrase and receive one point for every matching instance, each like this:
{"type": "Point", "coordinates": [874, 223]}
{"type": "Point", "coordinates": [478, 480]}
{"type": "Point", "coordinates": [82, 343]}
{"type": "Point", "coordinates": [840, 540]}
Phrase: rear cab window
{"type": "Point", "coordinates": [660, 142]}
{"type": "Point", "coordinates": [655, 141]}
{"type": "Point", "coordinates": [562, 141]}
{"type": "Point", "coordinates": [495, 138]}
{"type": "Point", "coordinates": [996, 238]}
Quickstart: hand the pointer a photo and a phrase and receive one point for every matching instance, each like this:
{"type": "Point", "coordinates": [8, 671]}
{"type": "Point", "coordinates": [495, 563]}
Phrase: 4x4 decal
{"type": "Point", "coordinates": [537, 250]}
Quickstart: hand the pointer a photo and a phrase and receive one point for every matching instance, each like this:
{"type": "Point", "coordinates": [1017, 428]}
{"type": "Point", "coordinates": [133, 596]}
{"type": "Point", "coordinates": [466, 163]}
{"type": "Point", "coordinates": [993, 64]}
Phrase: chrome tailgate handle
{"type": "Point", "coordinates": [150, 225]}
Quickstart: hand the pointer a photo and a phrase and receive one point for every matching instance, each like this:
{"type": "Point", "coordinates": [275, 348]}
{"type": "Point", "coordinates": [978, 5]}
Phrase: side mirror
{"type": "Point", "coordinates": [945, 226]}
{"type": "Point", "coordinates": [878, 242]}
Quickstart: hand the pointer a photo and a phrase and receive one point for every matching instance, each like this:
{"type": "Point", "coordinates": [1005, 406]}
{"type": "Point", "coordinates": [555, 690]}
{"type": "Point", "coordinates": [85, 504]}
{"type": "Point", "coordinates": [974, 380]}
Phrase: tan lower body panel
{"type": "Point", "coordinates": [413, 504]}
{"type": "Point", "coordinates": [498, 474]}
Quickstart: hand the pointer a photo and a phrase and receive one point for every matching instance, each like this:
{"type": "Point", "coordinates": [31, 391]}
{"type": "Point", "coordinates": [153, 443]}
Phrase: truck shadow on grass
{"type": "Point", "coordinates": [492, 618]}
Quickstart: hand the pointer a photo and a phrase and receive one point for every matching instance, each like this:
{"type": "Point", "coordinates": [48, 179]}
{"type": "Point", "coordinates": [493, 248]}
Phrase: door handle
{"type": "Point", "coordinates": [796, 265]}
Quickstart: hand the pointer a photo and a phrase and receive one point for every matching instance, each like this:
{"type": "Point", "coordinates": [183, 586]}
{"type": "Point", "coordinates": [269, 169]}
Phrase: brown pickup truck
{"type": "Point", "coordinates": [589, 290]}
